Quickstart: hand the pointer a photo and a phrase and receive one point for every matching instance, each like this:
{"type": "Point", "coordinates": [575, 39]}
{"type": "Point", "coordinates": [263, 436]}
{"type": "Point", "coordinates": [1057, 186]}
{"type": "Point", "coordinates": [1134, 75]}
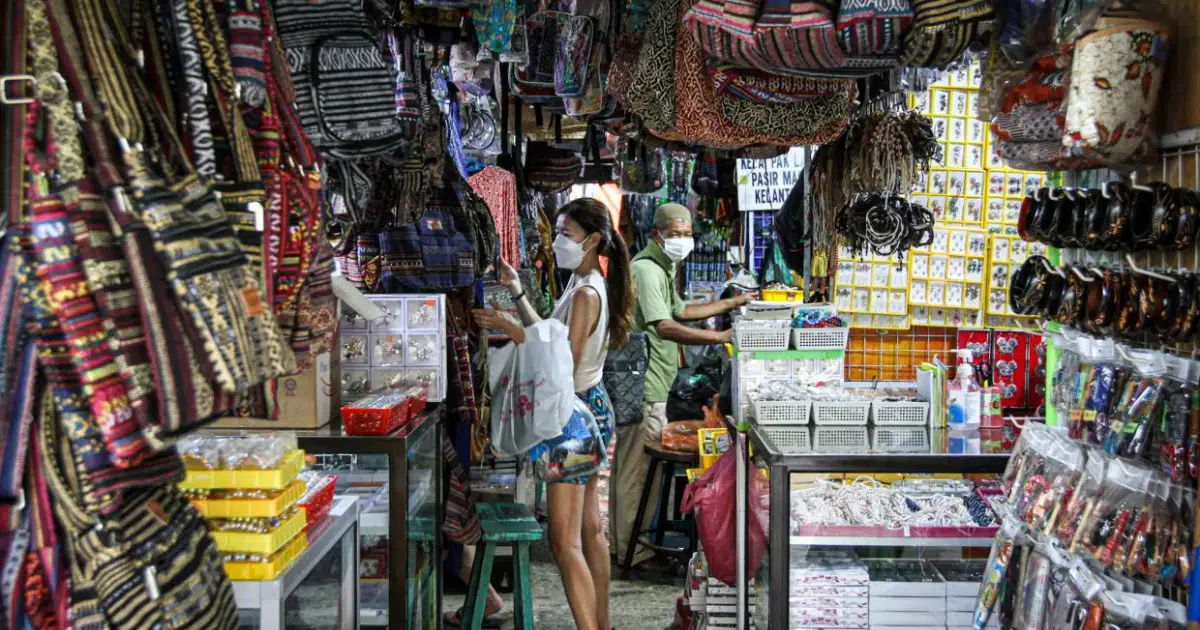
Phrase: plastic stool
{"type": "Point", "coordinates": [502, 524]}
{"type": "Point", "coordinates": [666, 461]}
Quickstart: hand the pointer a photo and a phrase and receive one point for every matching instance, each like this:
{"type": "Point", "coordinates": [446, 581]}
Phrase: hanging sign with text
{"type": "Point", "coordinates": [765, 184]}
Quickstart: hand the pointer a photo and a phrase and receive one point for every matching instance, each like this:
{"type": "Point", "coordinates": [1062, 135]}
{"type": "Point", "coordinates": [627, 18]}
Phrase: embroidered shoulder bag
{"type": "Point", "coordinates": [193, 238]}
{"type": "Point", "coordinates": [150, 565]}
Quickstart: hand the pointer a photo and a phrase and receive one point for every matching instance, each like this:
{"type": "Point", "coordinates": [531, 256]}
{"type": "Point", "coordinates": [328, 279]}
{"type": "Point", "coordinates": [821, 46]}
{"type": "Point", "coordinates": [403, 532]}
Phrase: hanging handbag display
{"type": "Point", "coordinates": [942, 30]}
{"type": "Point", "coordinates": [641, 167]}
{"type": "Point", "coordinates": [345, 84]}
{"type": "Point", "coordinates": [549, 169]}
{"type": "Point", "coordinates": [437, 251]}
{"type": "Point", "coordinates": [151, 564]}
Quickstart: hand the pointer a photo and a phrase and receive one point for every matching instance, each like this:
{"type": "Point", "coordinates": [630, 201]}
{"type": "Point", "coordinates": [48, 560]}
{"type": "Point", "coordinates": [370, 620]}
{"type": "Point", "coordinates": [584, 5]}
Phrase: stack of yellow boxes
{"type": "Point", "coordinates": [256, 520]}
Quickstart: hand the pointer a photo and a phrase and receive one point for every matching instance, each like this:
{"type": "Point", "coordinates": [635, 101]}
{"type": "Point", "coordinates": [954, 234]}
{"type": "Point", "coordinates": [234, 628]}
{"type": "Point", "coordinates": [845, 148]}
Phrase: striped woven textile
{"type": "Point", "coordinates": [943, 29]}
{"type": "Point", "coordinates": [872, 28]}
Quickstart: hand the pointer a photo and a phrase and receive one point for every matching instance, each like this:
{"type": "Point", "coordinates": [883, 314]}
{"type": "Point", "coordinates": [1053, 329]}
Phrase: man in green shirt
{"type": "Point", "coordinates": [658, 314]}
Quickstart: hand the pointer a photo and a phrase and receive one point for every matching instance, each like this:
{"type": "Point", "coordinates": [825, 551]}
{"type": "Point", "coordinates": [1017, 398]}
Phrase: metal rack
{"type": "Point", "coordinates": [771, 582]}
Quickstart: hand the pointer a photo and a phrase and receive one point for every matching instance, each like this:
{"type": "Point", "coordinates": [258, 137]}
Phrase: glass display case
{"type": "Point", "coordinates": [398, 479]}
{"type": "Point", "coordinates": [778, 467]}
{"type": "Point", "coordinates": [320, 590]}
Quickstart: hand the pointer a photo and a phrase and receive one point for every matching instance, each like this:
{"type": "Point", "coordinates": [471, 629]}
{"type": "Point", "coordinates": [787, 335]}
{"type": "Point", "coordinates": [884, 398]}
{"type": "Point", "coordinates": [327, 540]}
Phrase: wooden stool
{"type": "Point", "coordinates": [502, 524]}
{"type": "Point", "coordinates": [667, 460]}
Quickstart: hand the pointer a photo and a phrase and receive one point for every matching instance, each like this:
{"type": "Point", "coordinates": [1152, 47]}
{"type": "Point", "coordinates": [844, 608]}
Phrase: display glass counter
{"type": "Point", "coordinates": [397, 481]}
{"type": "Point", "coordinates": [320, 590]}
{"type": "Point", "coordinates": [849, 535]}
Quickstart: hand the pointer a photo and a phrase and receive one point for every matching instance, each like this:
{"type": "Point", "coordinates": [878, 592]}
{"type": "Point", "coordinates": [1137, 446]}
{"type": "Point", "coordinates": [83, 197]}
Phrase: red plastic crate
{"type": "Point", "coordinates": [317, 502]}
{"type": "Point", "coordinates": [385, 412]}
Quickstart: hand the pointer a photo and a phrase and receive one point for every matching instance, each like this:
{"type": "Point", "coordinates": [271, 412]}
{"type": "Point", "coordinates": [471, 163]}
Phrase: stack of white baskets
{"type": "Point", "coordinates": [769, 349]}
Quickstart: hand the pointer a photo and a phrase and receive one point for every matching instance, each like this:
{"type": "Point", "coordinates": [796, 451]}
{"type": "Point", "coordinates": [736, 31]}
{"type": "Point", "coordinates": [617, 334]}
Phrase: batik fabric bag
{"type": "Point", "coordinates": [1116, 78]}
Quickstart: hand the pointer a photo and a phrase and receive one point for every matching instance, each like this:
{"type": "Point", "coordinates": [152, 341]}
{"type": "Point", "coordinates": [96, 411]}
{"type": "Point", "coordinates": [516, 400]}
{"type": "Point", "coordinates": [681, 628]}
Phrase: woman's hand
{"type": "Point", "coordinates": [494, 319]}
{"type": "Point", "coordinates": [509, 277]}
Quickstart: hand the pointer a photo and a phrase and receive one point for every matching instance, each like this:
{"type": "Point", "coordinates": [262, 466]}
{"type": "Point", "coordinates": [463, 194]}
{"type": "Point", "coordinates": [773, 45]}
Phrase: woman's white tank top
{"type": "Point", "coordinates": [591, 364]}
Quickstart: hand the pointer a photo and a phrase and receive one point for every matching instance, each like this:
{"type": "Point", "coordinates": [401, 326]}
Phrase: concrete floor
{"type": "Point", "coordinates": [644, 602]}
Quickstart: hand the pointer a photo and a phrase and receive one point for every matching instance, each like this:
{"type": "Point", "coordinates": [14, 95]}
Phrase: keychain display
{"type": "Point", "coordinates": [1130, 414]}
{"type": "Point", "coordinates": [1085, 531]}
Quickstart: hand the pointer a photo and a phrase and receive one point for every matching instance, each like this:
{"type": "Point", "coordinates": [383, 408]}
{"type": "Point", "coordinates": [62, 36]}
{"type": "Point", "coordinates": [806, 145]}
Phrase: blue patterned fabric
{"type": "Point", "coordinates": [601, 407]}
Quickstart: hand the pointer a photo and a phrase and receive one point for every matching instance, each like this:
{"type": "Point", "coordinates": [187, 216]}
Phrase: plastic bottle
{"type": "Point", "coordinates": [963, 395]}
{"type": "Point", "coordinates": [964, 407]}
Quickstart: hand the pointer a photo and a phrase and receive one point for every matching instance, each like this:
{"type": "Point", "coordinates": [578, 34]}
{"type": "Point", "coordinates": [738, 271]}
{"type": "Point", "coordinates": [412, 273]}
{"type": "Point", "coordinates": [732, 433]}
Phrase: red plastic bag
{"type": "Point", "coordinates": [713, 501]}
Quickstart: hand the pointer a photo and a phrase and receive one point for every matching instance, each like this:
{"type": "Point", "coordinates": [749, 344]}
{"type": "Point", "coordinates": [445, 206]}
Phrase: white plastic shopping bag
{"type": "Point", "coordinates": [533, 388]}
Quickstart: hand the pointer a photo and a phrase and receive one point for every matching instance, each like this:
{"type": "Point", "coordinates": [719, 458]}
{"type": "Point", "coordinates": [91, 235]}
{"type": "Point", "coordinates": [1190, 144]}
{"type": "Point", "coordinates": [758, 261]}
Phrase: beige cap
{"type": "Point", "coordinates": [672, 212]}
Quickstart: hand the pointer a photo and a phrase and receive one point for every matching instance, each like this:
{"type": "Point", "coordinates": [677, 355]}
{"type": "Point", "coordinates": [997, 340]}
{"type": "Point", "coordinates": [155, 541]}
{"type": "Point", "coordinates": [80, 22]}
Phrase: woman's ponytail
{"type": "Point", "coordinates": [620, 290]}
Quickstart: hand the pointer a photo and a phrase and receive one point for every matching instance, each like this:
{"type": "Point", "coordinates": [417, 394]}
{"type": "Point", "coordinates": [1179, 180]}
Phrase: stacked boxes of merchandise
{"type": "Point", "coordinates": [249, 490]}
{"type": "Point", "coordinates": [407, 344]}
{"type": "Point", "coordinates": [963, 578]}
{"type": "Point", "coordinates": [834, 589]}
{"type": "Point", "coordinates": [906, 594]}
{"type": "Point", "coordinates": [711, 598]}
{"type": "Point", "coordinates": [828, 589]}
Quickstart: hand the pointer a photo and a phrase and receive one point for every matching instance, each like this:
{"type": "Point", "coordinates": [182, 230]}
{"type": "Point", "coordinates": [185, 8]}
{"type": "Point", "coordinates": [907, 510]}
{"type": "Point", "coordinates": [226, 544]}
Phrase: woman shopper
{"type": "Point", "coordinates": [598, 313]}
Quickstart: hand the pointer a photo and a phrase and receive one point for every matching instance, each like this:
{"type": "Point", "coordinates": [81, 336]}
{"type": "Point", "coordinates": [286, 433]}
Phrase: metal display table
{"type": "Point", "coordinates": [333, 546]}
{"type": "Point", "coordinates": [777, 465]}
{"type": "Point", "coordinates": [413, 457]}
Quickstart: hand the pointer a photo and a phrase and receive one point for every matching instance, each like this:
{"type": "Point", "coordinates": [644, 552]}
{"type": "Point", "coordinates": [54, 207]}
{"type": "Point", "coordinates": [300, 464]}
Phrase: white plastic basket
{"type": "Point", "coordinates": [789, 440]}
{"type": "Point", "coordinates": [820, 338]}
{"type": "Point", "coordinates": [840, 440]}
{"type": "Point", "coordinates": [841, 412]}
{"type": "Point", "coordinates": [900, 439]}
{"type": "Point", "coordinates": [900, 413]}
{"type": "Point", "coordinates": [789, 412]}
{"type": "Point", "coordinates": [761, 335]}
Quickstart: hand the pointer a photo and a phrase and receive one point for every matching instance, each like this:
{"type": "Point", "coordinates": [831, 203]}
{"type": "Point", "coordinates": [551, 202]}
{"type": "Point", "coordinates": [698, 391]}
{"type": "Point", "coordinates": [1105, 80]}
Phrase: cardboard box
{"type": "Point", "coordinates": [306, 401]}
{"type": "Point", "coordinates": [905, 604]}
{"type": "Point", "coordinates": [910, 618]}
{"type": "Point", "coordinates": [955, 603]}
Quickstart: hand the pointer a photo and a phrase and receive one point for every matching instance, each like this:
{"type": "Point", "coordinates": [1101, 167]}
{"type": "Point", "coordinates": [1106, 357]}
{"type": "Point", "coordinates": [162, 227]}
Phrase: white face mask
{"type": "Point", "coordinates": [678, 248]}
{"type": "Point", "coordinates": [567, 253]}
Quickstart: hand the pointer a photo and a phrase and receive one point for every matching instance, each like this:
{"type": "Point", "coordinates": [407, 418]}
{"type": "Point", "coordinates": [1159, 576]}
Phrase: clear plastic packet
{"type": "Point", "coordinates": [1172, 444]}
{"type": "Point", "coordinates": [1103, 425]}
{"type": "Point", "coordinates": [998, 564]}
{"type": "Point", "coordinates": [1064, 390]}
{"type": "Point", "coordinates": [1163, 614]}
{"type": "Point", "coordinates": [1083, 497]}
{"type": "Point", "coordinates": [1073, 591]}
{"type": "Point", "coordinates": [1123, 611]}
{"type": "Point", "coordinates": [1141, 553]}
{"type": "Point", "coordinates": [1032, 610]}
{"type": "Point", "coordinates": [1105, 521]}
{"type": "Point", "coordinates": [1100, 392]}
{"type": "Point", "coordinates": [1084, 383]}
{"type": "Point", "coordinates": [1132, 429]}
{"type": "Point", "coordinates": [200, 452]}
{"type": "Point", "coordinates": [1045, 473]}
{"type": "Point", "coordinates": [1028, 28]}
{"type": "Point", "coordinates": [1173, 537]}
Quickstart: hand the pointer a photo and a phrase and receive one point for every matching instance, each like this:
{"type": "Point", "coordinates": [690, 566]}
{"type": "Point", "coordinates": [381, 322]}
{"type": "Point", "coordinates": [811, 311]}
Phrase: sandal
{"type": "Point", "coordinates": [454, 620]}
